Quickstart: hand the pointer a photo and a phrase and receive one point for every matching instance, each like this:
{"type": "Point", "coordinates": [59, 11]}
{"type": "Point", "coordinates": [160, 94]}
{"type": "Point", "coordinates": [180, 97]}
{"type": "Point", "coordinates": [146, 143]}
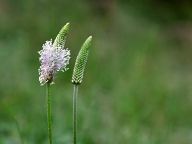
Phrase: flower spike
{"type": "Point", "coordinates": [81, 61]}
{"type": "Point", "coordinates": [54, 57]}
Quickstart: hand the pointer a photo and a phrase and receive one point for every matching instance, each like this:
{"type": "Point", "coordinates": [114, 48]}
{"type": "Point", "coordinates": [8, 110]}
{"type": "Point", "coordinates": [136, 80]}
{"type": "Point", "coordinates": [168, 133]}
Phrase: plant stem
{"type": "Point", "coordinates": [75, 93]}
{"type": "Point", "coordinates": [49, 116]}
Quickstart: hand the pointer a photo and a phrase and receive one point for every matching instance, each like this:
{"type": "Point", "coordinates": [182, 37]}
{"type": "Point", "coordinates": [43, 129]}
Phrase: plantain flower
{"type": "Point", "coordinates": [53, 58]}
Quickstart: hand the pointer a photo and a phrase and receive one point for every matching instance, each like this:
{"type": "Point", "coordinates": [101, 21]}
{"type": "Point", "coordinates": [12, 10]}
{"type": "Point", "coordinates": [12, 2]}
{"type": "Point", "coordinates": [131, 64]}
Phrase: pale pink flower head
{"type": "Point", "coordinates": [53, 59]}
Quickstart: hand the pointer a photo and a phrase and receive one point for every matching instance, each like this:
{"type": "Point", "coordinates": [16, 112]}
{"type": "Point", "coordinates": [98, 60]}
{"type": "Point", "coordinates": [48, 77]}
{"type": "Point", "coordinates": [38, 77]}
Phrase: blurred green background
{"type": "Point", "coordinates": [138, 83]}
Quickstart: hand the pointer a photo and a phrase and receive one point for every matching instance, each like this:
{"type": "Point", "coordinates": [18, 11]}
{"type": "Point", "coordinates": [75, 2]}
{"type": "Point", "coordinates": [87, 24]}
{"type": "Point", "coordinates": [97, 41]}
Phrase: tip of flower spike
{"type": "Point", "coordinates": [86, 45]}
{"type": "Point", "coordinates": [89, 38]}
{"type": "Point", "coordinates": [66, 27]}
{"type": "Point", "coordinates": [67, 24]}
{"type": "Point", "coordinates": [61, 37]}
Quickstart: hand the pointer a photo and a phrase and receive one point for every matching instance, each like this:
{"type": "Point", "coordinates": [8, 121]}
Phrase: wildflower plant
{"type": "Point", "coordinates": [77, 79]}
{"type": "Point", "coordinates": [53, 58]}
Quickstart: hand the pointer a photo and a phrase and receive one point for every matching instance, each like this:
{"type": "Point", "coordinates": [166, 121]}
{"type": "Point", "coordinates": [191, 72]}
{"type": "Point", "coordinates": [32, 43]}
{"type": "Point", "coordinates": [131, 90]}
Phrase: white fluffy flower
{"type": "Point", "coordinates": [52, 59]}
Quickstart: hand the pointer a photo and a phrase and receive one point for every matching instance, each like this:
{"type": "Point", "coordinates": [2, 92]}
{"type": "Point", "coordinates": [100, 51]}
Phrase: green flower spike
{"type": "Point", "coordinates": [61, 37]}
{"type": "Point", "coordinates": [81, 61]}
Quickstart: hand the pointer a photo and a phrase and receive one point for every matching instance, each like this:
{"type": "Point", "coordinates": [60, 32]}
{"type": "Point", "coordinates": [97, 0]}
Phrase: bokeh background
{"type": "Point", "coordinates": [137, 87]}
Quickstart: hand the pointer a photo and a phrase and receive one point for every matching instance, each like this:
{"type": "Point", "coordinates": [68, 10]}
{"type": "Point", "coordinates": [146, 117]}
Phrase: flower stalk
{"type": "Point", "coordinates": [75, 95]}
{"type": "Point", "coordinates": [49, 113]}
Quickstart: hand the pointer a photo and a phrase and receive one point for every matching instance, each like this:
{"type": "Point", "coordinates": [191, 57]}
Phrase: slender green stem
{"type": "Point", "coordinates": [49, 116]}
{"type": "Point", "coordinates": [75, 93]}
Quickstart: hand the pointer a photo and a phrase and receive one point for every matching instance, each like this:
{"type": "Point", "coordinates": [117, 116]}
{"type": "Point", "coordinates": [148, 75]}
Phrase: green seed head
{"type": "Point", "coordinates": [81, 61]}
{"type": "Point", "coordinates": [61, 37]}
